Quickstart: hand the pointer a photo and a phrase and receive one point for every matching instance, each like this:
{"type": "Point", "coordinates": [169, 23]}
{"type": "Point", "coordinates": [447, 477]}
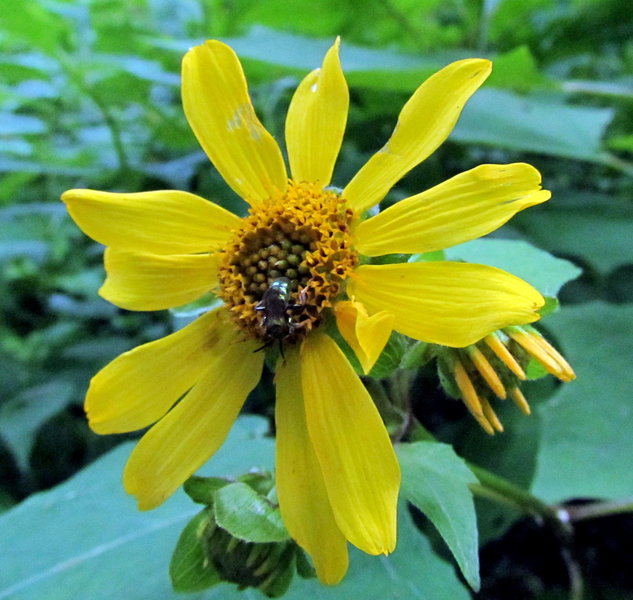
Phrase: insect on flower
{"type": "Point", "coordinates": [277, 323]}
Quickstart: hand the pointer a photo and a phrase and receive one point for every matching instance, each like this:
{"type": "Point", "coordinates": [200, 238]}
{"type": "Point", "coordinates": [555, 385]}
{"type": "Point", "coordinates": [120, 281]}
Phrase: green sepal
{"type": "Point", "coordinates": [445, 370]}
{"type": "Point", "coordinates": [189, 569]}
{"type": "Point", "coordinates": [305, 569]}
{"type": "Point", "coordinates": [433, 256]}
{"type": "Point", "coordinates": [247, 516]}
{"type": "Point", "coordinates": [551, 305]}
{"type": "Point", "coordinates": [202, 489]}
{"type": "Point", "coordinates": [390, 358]}
{"type": "Point", "coordinates": [199, 306]}
{"type": "Point", "coordinates": [534, 370]}
{"type": "Point", "coordinates": [277, 583]}
{"type": "Point", "coordinates": [417, 355]}
{"type": "Point", "coordinates": [261, 482]}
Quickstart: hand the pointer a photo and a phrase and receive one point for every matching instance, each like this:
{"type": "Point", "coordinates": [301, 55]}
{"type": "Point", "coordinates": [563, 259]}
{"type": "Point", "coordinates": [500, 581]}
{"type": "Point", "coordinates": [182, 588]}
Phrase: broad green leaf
{"type": "Point", "coordinates": [30, 23]}
{"type": "Point", "coordinates": [597, 227]}
{"type": "Point", "coordinates": [248, 516]}
{"type": "Point", "coordinates": [202, 489]}
{"type": "Point", "coordinates": [262, 47]}
{"type": "Point", "coordinates": [586, 445]}
{"type": "Point", "coordinates": [620, 89]}
{"type": "Point", "coordinates": [435, 480]}
{"type": "Point", "coordinates": [511, 454]}
{"type": "Point", "coordinates": [541, 124]}
{"type": "Point", "coordinates": [517, 70]}
{"type": "Point", "coordinates": [190, 570]}
{"type": "Point", "coordinates": [86, 539]}
{"type": "Point", "coordinates": [23, 415]}
{"type": "Point", "coordinates": [544, 271]}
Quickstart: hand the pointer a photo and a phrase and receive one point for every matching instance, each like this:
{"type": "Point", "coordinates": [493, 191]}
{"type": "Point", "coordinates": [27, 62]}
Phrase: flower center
{"type": "Point", "coordinates": [287, 262]}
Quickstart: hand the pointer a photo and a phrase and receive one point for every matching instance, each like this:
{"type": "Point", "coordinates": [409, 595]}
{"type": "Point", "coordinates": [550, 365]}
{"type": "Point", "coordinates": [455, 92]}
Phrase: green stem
{"type": "Point", "coordinates": [502, 491]}
{"type": "Point", "coordinates": [618, 163]}
{"type": "Point", "coordinates": [497, 488]}
{"type": "Point", "coordinates": [598, 509]}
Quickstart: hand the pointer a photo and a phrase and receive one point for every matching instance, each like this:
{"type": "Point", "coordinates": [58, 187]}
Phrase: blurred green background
{"type": "Point", "coordinates": [89, 97]}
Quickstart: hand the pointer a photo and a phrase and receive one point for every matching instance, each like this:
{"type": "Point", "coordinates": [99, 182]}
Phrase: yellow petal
{"type": "Point", "coordinates": [141, 385]}
{"type": "Point", "coordinates": [164, 222]}
{"type": "Point", "coordinates": [463, 208]}
{"type": "Point", "coordinates": [141, 281]}
{"type": "Point", "coordinates": [471, 398]}
{"type": "Point", "coordinates": [359, 466]}
{"type": "Point", "coordinates": [447, 303]}
{"type": "Point", "coordinates": [316, 121]}
{"type": "Point", "coordinates": [220, 112]}
{"type": "Point", "coordinates": [366, 335]}
{"type": "Point", "coordinates": [424, 123]}
{"type": "Point", "coordinates": [303, 501]}
{"type": "Point", "coordinates": [186, 437]}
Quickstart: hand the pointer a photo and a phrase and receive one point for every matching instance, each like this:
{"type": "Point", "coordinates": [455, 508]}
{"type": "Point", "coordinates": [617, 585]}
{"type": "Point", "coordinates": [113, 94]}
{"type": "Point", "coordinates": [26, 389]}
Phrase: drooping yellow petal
{"type": "Point", "coordinates": [448, 303]}
{"type": "Point", "coordinates": [186, 437]}
{"type": "Point", "coordinates": [486, 370]}
{"type": "Point", "coordinates": [303, 501]}
{"type": "Point", "coordinates": [504, 355]}
{"type": "Point", "coordinates": [316, 121]}
{"type": "Point", "coordinates": [463, 208]}
{"type": "Point", "coordinates": [424, 123]}
{"type": "Point", "coordinates": [519, 399]}
{"type": "Point", "coordinates": [141, 281]}
{"type": "Point", "coordinates": [141, 385]}
{"type": "Point", "coordinates": [163, 222]}
{"type": "Point", "coordinates": [366, 335]}
{"type": "Point", "coordinates": [470, 397]}
{"type": "Point", "coordinates": [359, 466]}
{"type": "Point", "coordinates": [219, 110]}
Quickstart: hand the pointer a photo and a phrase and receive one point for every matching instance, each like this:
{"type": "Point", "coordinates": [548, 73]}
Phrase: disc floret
{"type": "Point", "coordinates": [303, 235]}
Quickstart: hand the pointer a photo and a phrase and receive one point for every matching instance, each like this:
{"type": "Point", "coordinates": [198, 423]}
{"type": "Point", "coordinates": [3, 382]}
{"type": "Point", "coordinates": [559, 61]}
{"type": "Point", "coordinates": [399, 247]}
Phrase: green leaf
{"type": "Point", "coordinates": [373, 68]}
{"type": "Point", "coordinates": [413, 572]}
{"type": "Point", "coordinates": [202, 489]}
{"type": "Point", "coordinates": [568, 224]}
{"type": "Point", "coordinates": [189, 569]}
{"type": "Point", "coordinates": [517, 70]}
{"type": "Point", "coordinates": [511, 454]}
{"type": "Point", "coordinates": [435, 480]}
{"type": "Point", "coordinates": [391, 356]}
{"type": "Point", "coordinates": [586, 443]}
{"type": "Point", "coordinates": [86, 538]}
{"type": "Point", "coordinates": [248, 516]}
{"type": "Point", "coordinates": [542, 124]}
{"type": "Point", "coordinates": [22, 416]}
{"type": "Point", "coordinates": [538, 267]}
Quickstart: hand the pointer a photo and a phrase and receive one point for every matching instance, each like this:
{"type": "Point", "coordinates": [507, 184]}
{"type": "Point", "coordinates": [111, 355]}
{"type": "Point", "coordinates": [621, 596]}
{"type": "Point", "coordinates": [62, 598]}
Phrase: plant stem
{"type": "Point", "coordinates": [497, 488]}
{"type": "Point", "coordinates": [598, 509]}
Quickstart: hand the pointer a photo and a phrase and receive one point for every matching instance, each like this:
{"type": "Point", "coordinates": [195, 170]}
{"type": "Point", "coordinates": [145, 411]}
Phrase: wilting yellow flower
{"type": "Point", "coordinates": [337, 474]}
{"type": "Point", "coordinates": [494, 366]}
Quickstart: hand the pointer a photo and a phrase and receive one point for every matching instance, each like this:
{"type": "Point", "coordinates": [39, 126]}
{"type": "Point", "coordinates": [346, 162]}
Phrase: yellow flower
{"type": "Point", "coordinates": [337, 474]}
{"type": "Point", "coordinates": [494, 366]}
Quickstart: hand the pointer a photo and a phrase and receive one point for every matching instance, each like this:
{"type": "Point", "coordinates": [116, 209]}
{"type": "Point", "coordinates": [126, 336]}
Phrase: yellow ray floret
{"type": "Point", "coordinates": [447, 303]}
{"type": "Point", "coordinates": [316, 121]}
{"type": "Point", "coordinates": [359, 465]}
{"type": "Point", "coordinates": [303, 500]}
